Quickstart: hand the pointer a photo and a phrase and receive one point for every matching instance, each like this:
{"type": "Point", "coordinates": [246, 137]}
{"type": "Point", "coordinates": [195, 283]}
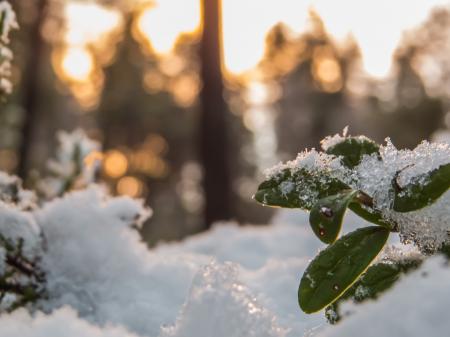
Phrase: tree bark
{"type": "Point", "coordinates": [31, 87]}
{"type": "Point", "coordinates": [213, 121]}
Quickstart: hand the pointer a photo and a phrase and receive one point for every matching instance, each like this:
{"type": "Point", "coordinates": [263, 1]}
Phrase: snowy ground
{"type": "Point", "coordinates": [230, 282]}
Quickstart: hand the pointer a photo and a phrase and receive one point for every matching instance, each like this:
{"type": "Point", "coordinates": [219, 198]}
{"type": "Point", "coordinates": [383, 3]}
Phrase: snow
{"type": "Point", "coordinates": [248, 246]}
{"type": "Point", "coordinates": [8, 23]}
{"type": "Point", "coordinates": [63, 322]}
{"type": "Point", "coordinates": [312, 161]}
{"type": "Point", "coordinates": [96, 265]}
{"type": "Point", "coordinates": [101, 280]}
{"type": "Point", "coordinates": [426, 227]}
{"type": "Point", "coordinates": [331, 141]}
{"type": "Point", "coordinates": [76, 163]}
{"type": "Point", "coordinates": [233, 281]}
{"type": "Point", "coordinates": [219, 305]}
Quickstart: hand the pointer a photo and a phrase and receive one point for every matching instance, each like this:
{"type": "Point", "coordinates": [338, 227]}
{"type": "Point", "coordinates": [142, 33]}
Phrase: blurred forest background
{"type": "Point", "coordinates": [193, 99]}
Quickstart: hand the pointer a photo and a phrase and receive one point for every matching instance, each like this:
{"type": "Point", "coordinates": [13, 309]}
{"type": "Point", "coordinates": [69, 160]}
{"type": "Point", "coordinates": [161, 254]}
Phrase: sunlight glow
{"type": "Point", "coordinates": [115, 164]}
{"type": "Point", "coordinates": [130, 186]}
{"type": "Point", "coordinates": [162, 22]}
{"type": "Point", "coordinates": [89, 22]}
{"type": "Point", "coordinates": [77, 64]}
{"type": "Point", "coordinates": [84, 47]}
{"type": "Point", "coordinates": [376, 25]}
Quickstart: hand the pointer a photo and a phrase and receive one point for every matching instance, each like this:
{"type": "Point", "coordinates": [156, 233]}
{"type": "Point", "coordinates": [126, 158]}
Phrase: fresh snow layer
{"type": "Point", "coordinates": [235, 281]}
{"type": "Point", "coordinates": [63, 322]}
{"type": "Point", "coordinates": [232, 281]}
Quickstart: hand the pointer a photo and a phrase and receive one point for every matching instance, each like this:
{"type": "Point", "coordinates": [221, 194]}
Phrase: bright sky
{"type": "Point", "coordinates": [376, 25]}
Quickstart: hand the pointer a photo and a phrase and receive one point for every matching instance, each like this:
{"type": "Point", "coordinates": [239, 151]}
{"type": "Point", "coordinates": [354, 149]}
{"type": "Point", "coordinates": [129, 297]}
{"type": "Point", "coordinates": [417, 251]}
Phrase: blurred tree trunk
{"type": "Point", "coordinates": [213, 120]}
{"type": "Point", "coordinates": [31, 87]}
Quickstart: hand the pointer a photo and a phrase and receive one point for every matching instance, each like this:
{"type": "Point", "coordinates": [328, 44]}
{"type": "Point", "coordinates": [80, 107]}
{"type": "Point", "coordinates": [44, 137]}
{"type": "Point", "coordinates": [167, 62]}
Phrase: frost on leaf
{"type": "Point", "coordinates": [301, 183]}
{"type": "Point", "coordinates": [404, 190]}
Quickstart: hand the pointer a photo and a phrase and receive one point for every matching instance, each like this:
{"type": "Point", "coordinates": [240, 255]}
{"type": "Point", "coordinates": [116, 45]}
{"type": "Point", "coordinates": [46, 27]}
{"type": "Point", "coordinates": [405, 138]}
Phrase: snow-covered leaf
{"type": "Point", "coordinates": [352, 149]}
{"type": "Point", "coordinates": [422, 190]}
{"type": "Point", "coordinates": [297, 189]}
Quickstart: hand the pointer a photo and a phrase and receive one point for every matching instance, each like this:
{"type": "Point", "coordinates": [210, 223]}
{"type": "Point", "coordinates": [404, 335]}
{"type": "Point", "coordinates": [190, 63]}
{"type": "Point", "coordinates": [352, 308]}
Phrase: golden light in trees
{"type": "Point", "coordinates": [115, 164]}
{"type": "Point", "coordinates": [130, 186]}
{"type": "Point", "coordinates": [161, 23]}
{"type": "Point", "coordinates": [88, 22]}
{"type": "Point", "coordinates": [84, 46]}
{"type": "Point", "coordinates": [377, 27]}
{"type": "Point", "coordinates": [326, 70]}
{"type": "Point", "coordinates": [77, 64]}
{"type": "Point", "coordinates": [93, 158]}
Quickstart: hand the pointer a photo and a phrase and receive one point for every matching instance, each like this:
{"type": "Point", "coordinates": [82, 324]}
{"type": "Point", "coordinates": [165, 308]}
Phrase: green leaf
{"type": "Point", "coordinates": [338, 266]}
{"type": "Point", "coordinates": [297, 189]}
{"type": "Point", "coordinates": [369, 214]}
{"type": "Point", "coordinates": [352, 150]}
{"type": "Point", "coordinates": [445, 250]}
{"type": "Point", "coordinates": [376, 280]}
{"type": "Point", "coordinates": [327, 214]}
{"type": "Point", "coordinates": [422, 191]}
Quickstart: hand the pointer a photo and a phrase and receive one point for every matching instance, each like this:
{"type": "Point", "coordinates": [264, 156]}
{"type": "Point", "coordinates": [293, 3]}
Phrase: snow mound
{"type": "Point", "coordinates": [250, 246]}
{"type": "Point", "coordinates": [63, 322]}
{"type": "Point", "coordinates": [98, 265]}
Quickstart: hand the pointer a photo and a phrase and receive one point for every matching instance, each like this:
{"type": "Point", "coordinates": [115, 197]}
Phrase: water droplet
{"type": "Point", "coordinates": [326, 211]}
{"type": "Point", "coordinates": [336, 287]}
{"type": "Point", "coordinates": [321, 232]}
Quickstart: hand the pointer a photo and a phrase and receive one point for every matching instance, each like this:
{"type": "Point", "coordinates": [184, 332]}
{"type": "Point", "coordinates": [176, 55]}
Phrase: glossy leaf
{"type": "Point", "coordinates": [338, 266]}
{"type": "Point", "coordinates": [369, 214]}
{"type": "Point", "coordinates": [297, 189]}
{"type": "Point", "coordinates": [377, 279]}
{"type": "Point", "coordinates": [422, 191]}
{"type": "Point", "coordinates": [327, 214]}
{"type": "Point", "coordinates": [352, 150]}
